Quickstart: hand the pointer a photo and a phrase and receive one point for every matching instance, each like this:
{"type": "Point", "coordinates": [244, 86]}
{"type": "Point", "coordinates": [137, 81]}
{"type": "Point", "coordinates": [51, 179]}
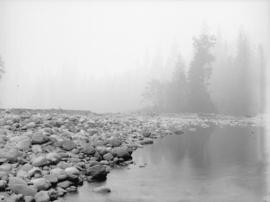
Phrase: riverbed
{"type": "Point", "coordinates": [203, 164]}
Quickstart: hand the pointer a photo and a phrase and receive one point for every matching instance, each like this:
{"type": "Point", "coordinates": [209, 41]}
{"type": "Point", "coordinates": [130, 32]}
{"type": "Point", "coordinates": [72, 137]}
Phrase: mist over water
{"type": "Point", "coordinates": [100, 56]}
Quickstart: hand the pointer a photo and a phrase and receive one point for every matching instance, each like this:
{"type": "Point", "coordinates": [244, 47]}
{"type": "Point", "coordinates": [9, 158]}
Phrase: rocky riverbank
{"type": "Point", "coordinates": [45, 154]}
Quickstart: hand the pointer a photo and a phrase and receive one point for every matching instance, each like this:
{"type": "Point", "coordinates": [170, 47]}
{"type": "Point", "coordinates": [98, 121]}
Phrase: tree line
{"type": "Point", "coordinates": [218, 79]}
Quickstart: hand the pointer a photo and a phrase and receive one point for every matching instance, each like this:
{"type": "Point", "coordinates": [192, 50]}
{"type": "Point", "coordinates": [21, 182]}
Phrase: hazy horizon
{"type": "Point", "coordinates": [98, 56]}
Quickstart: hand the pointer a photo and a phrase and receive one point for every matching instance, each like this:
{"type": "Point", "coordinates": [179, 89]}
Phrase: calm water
{"type": "Point", "coordinates": [213, 164]}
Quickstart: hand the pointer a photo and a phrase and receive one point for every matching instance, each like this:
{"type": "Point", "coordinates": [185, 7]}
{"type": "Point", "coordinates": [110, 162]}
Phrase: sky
{"type": "Point", "coordinates": [99, 55]}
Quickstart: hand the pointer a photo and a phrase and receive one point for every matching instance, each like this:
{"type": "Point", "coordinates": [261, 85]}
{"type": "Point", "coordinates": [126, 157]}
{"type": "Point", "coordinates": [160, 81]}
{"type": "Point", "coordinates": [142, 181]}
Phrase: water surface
{"type": "Point", "coordinates": [210, 164]}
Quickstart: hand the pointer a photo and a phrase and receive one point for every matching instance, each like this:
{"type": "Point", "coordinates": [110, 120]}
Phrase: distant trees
{"type": "Point", "coordinates": [169, 96]}
{"type": "Point", "coordinates": [199, 74]}
{"type": "Point", "coordinates": [237, 80]}
{"type": "Point", "coordinates": [218, 79]}
{"type": "Point", "coordinates": [185, 92]}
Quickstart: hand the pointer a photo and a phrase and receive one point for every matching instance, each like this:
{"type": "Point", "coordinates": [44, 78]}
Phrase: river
{"type": "Point", "coordinates": [208, 164]}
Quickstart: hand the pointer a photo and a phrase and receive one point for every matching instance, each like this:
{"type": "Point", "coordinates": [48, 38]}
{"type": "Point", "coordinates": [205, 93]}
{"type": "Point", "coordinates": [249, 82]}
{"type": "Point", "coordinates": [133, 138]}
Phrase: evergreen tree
{"type": "Point", "coordinates": [199, 74]}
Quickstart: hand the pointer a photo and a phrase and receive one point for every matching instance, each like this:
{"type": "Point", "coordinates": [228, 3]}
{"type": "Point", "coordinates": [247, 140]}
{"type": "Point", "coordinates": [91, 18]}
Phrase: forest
{"type": "Point", "coordinates": [220, 78]}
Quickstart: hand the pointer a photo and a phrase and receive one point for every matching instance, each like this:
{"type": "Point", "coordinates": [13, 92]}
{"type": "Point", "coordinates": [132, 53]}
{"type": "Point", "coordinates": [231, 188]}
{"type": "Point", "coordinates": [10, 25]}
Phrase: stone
{"type": "Point", "coordinates": [19, 186]}
{"type": "Point", "coordinates": [53, 194]}
{"type": "Point", "coordinates": [39, 138]}
{"type": "Point", "coordinates": [41, 183]}
{"type": "Point", "coordinates": [52, 178]}
{"type": "Point", "coordinates": [88, 149]}
{"type": "Point", "coordinates": [40, 161]}
{"type": "Point", "coordinates": [147, 141]}
{"type": "Point", "coordinates": [72, 189]}
{"type": "Point", "coordinates": [68, 145]}
{"type": "Point", "coordinates": [34, 171]}
{"type": "Point", "coordinates": [108, 156]}
{"type": "Point", "coordinates": [24, 144]}
{"type": "Point", "coordinates": [60, 173]}
{"type": "Point", "coordinates": [9, 154]}
{"type": "Point", "coordinates": [3, 184]}
{"type": "Point", "coordinates": [97, 172]}
{"type": "Point", "coordinates": [121, 152]}
{"type": "Point", "coordinates": [36, 148]}
{"type": "Point", "coordinates": [60, 191]}
{"type": "Point", "coordinates": [53, 157]}
{"type": "Point", "coordinates": [115, 141]}
{"type": "Point", "coordinates": [28, 199]}
{"type": "Point", "coordinates": [72, 172]}
{"type": "Point", "coordinates": [102, 189]}
{"type": "Point", "coordinates": [64, 184]}
{"type": "Point", "coordinates": [42, 196]}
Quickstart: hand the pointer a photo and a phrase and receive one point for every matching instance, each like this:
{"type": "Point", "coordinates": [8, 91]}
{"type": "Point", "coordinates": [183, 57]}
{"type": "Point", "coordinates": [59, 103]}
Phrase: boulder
{"type": "Point", "coordinates": [88, 149]}
{"type": "Point", "coordinates": [52, 178]}
{"type": "Point", "coordinates": [97, 172]}
{"type": "Point", "coordinates": [9, 154]}
{"type": "Point", "coordinates": [40, 161]}
{"type": "Point", "coordinates": [102, 189]}
{"type": "Point", "coordinates": [108, 156]}
{"type": "Point", "coordinates": [60, 173]}
{"type": "Point", "coordinates": [121, 152]}
{"type": "Point", "coordinates": [65, 184]}
{"type": "Point", "coordinates": [68, 145]}
{"type": "Point", "coordinates": [115, 141]}
{"type": "Point", "coordinates": [147, 141]}
{"type": "Point", "coordinates": [72, 172]}
{"type": "Point", "coordinates": [19, 186]}
{"type": "Point", "coordinates": [34, 171]}
{"type": "Point", "coordinates": [3, 184]}
{"type": "Point", "coordinates": [41, 183]}
{"type": "Point", "coordinates": [53, 157]}
{"type": "Point", "coordinates": [39, 138]}
{"type": "Point", "coordinates": [42, 196]}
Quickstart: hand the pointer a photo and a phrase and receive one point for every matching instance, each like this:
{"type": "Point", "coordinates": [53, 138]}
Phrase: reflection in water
{"type": "Point", "coordinates": [213, 164]}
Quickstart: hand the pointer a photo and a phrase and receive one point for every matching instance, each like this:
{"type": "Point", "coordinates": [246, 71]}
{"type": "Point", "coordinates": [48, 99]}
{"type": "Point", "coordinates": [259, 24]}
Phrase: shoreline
{"type": "Point", "coordinates": [46, 153]}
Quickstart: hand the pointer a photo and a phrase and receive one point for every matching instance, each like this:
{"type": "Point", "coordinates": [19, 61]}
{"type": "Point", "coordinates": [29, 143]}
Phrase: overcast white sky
{"type": "Point", "coordinates": [97, 55]}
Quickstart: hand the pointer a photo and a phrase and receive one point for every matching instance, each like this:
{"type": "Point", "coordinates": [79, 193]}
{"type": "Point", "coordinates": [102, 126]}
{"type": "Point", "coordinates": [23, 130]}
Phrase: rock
{"type": "Point", "coordinates": [24, 144]}
{"type": "Point", "coordinates": [39, 138]}
{"type": "Point", "coordinates": [5, 167]}
{"type": "Point", "coordinates": [115, 141]}
{"type": "Point", "coordinates": [147, 141]}
{"type": "Point", "coordinates": [68, 145]}
{"type": "Point", "coordinates": [60, 191]}
{"type": "Point", "coordinates": [108, 156]}
{"type": "Point", "coordinates": [36, 149]}
{"type": "Point", "coordinates": [146, 133]}
{"type": "Point", "coordinates": [28, 199]}
{"type": "Point", "coordinates": [52, 178]}
{"type": "Point", "coordinates": [102, 190]}
{"type": "Point", "coordinates": [72, 172]}
{"type": "Point", "coordinates": [19, 186]}
{"type": "Point", "coordinates": [178, 132]}
{"type": "Point", "coordinates": [64, 184]}
{"type": "Point", "coordinates": [42, 196]}
{"type": "Point", "coordinates": [121, 152]}
{"type": "Point", "coordinates": [40, 161]}
{"type": "Point", "coordinates": [9, 154]}
{"type": "Point", "coordinates": [3, 184]}
{"type": "Point", "coordinates": [97, 172]}
{"type": "Point", "coordinates": [34, 171]}
{"type": "Point", "coordinates": [60, 173]}
{"type": "Point", "coordinates": [53, 194]}
{"type": "Point", "coordinates": [21, 173]}
{"type": "Point", "coordinates": [41, 184]}
{"type": "Point", "coordinates": [101, 150]}
{"type": "Point", "coordinates": [88, 149]}
{"type": "Point", "coordinates": [53, 157]}
{"type": "Point", "coordinates": [72, 189]}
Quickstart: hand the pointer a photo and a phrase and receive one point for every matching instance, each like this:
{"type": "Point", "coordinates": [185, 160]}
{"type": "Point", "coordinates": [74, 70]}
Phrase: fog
{"type": "Point", "coordinates": [99, 56]}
